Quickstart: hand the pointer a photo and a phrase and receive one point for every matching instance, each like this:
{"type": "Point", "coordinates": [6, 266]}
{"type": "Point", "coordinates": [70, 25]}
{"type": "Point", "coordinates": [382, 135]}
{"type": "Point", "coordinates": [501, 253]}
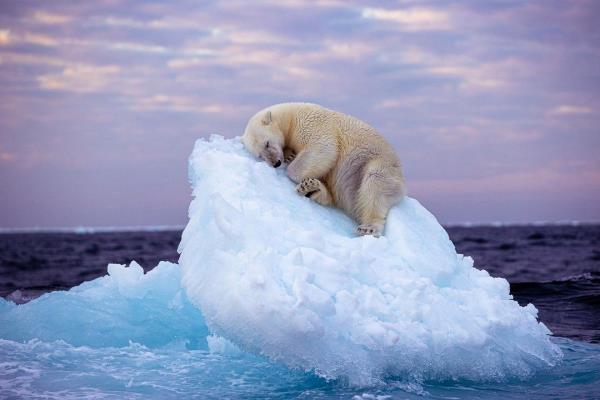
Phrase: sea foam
{"type": "Point", "coordinates": [281, 276]}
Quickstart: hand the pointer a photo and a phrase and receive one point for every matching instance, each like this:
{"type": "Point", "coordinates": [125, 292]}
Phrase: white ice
{"type": "Point", "coordinates": [281, 276]}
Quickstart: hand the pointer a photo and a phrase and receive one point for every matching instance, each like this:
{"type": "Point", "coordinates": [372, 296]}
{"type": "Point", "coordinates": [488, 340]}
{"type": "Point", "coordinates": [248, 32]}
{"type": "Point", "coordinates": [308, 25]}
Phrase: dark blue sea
{"type": "Point", "coordinates": [555, 267]}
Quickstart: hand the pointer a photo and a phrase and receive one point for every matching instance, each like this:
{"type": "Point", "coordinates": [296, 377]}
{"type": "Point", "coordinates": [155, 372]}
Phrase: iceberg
{"type": "Point", "coordinates": [282, 277]}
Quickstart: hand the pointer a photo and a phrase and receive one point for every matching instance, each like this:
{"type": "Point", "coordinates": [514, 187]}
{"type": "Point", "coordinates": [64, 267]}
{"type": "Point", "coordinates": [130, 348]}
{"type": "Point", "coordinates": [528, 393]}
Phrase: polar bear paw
{"type": "Point", "coordinates": [309, 187]}
{"type": "Point", "coordinates": [288, 155]}
{"type": "Point", "coordinates": [369, 229]}
{"type": "Point", "coordinates": [315, 190]}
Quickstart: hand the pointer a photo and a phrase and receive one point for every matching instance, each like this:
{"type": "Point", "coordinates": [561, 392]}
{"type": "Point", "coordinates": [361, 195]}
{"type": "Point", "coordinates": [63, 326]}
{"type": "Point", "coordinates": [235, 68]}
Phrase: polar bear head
{"type": "Point", "coordinates": [264, 138]}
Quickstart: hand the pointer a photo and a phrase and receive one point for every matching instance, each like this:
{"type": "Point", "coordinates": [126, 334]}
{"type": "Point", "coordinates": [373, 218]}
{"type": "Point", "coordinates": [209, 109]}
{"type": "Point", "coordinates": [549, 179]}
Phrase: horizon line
{"type": "Point", "coordinates": [166, 228]}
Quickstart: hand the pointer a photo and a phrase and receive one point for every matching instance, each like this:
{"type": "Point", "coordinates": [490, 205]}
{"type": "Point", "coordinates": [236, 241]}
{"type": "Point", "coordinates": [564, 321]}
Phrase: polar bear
{"type": "Point", "coordinates": [334, 158]}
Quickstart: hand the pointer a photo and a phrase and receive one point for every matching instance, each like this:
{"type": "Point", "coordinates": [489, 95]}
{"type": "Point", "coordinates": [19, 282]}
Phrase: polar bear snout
{"type": "Point", "coordinates": [273, 160]}
{"type": "Point", "coordinates": [273, 155]}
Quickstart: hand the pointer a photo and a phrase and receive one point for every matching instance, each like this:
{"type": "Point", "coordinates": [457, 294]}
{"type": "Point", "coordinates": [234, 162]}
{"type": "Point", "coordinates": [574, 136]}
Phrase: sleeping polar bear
{"type": "Point", "coordinates": [334, 158]}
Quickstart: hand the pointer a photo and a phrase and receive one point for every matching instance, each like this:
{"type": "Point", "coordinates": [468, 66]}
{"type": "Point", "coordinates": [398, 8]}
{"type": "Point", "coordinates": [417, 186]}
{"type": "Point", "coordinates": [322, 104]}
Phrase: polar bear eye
{"type": "Point", "coordinates": [267, 145]}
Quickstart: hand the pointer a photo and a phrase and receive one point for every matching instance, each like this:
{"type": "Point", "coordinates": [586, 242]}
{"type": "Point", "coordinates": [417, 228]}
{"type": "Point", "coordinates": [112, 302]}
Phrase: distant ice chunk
{"type": "Point", "coordinates": [284, 277]}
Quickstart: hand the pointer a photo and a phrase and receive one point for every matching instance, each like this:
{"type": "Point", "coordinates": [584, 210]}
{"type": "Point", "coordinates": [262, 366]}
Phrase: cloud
{"type": "Point", "coordinates": [538, 179]}
{"type": "Point", "coordinates": [255, 37]}
{"type": "Point", "coordinates": [469, 72]}
{"type": "Point", "coordinates": [80, 78]}
{"type": "Point", "coordinates": [400, 103]}
{"type": "Point", "coordinates": [411, 19]}
{"type": "Point", "coordinates": [50, 41]}
{"type": "Point", "coordinates": [346, 50]}
{"type": "Point", "coordinates": [44, 17]}
{"type": "Point", "coordinates": [567, 110]}
{"type": "Point", "coordinates": [31, 59]}
{"type": "Point", "coordinates": [38, 39]}
{"type": "Point", "coordinates": [135, 47]}
{"type": "Point", "coordinates": [4, 36]}
{"type": "Point", "coordinates": [181, 63]}
{"type": "Point", "coordinates": [250, 59]}
{"type": "Point", "coordinates": [5, 156]}
{"type": "Point", "coordinates": [166, 23]}
{"type": "Point", "coordinates": [300, 4]}
{"type": "Point", "coordinates": [164, 102]}
{"type": "Point", "coordinates": [472, 77]}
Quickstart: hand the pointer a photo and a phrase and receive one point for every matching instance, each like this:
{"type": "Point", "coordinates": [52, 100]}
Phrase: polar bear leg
{"type": "Point", "coordinates": [381, 188]}
{"type": "Point", "coordinates": [315, 190]}
{"type": "Point", "coordinates": [313, 162]}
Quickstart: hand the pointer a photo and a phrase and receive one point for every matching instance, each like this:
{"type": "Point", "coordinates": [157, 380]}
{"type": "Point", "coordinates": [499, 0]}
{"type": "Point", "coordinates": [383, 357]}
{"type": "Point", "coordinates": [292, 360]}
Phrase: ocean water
{"type": "Point", "coordinates": [127, 344]}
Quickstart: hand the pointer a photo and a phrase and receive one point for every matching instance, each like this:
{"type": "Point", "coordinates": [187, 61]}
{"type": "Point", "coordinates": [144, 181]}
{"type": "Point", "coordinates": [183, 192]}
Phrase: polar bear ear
{"type": "Point", "coordinates": [267, 118]}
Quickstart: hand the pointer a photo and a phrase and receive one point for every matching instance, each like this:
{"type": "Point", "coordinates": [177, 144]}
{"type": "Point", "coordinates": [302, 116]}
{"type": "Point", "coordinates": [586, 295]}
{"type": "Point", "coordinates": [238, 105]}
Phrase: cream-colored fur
{"type": "Point", "coordinates": [334, 158]}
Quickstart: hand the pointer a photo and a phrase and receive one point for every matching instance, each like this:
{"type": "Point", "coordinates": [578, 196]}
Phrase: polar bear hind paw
{"type": "Point", "coordinates": [369, 229]}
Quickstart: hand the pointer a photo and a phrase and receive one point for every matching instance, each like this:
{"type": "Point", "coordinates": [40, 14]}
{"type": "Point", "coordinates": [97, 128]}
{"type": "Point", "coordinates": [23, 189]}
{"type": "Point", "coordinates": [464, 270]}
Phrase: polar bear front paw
{"type": "Point", "coordinates": [369, 229]}
{"type": "Point", "coordinates": [309, 187]}
{"type": "Point", "coordinates": [288, 155]}
{"type": "Point", "coordinates": [315, 190]}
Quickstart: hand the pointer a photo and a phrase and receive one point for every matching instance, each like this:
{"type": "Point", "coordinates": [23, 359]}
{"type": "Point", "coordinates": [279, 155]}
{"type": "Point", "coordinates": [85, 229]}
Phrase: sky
{"type": "Point", "coordinates": [492, 106]}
